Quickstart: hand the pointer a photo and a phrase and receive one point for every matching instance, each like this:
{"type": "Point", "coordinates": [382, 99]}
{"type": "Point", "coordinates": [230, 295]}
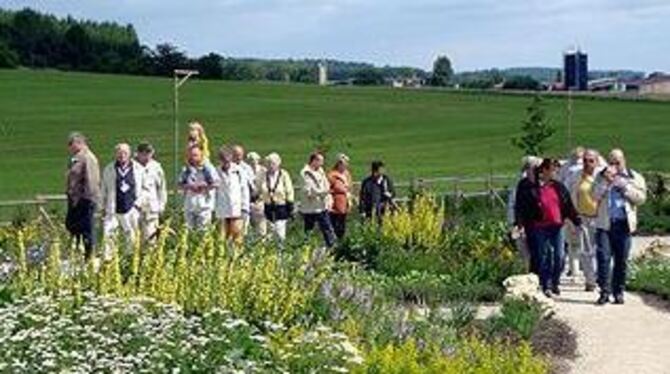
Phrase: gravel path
{"type": "Point", "coordinates": [616, 339]}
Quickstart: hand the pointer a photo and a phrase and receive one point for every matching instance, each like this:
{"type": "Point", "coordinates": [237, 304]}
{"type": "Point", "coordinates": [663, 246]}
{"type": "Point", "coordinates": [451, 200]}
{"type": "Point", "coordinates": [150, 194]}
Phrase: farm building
{"type": "Point", "coordinates": [656, 84]}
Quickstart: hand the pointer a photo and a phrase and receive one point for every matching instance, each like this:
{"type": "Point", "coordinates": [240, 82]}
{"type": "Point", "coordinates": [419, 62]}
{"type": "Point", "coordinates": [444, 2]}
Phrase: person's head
{"type": "Point", "coordinates": [122, 151]}
{"type": "Point", "coordinates": [253, 158]}
{"type": "Point", "coordinates": [377, 168]}
{"type": "Point", "coordinates": [617, 159]}
{"type": "Point", "coordinates": [195, 131]}
{"type": "Point", "coordinates": [590, 161]}
{"type": "Point", "coordinates": [547, 170]}
{"type": "Point", "coordinates": [315, 160]}
{"type": "Point", "coordinates": [577, 154]}
{"type": "Point", "coordinates": [341, 162]}
{"type": "Point", "coordinates": [273, 162]}
{"type": "Point", "coordinates": [225, 157]}
{"type": "Point", "coordinates": [194, 154]}
{"type": "Point", "coordinates": [76, 141]}
{"type": "Point", "coordinates": [145, 152]}
{"type": "Point", "coordinates": [237, 153]}
{"type": "Point", "coordinates": [529, 163]}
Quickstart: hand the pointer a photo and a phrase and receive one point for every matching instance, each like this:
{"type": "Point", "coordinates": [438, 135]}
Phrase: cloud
{"type": "Point", "coordinates": [475, 33]}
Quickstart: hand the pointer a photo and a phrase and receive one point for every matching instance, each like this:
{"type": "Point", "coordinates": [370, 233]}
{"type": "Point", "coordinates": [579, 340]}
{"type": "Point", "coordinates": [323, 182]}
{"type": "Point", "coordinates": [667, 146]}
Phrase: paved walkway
{"type": "Point", "coordinates": [617, 339]}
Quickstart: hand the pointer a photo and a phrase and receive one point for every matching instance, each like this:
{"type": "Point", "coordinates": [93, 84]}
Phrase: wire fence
{"type": "Point", "coordinates": [452, 188]}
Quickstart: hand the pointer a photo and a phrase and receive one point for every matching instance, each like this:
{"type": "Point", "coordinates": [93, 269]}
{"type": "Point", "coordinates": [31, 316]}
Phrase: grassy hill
{"type": "Point", "coordinates": [418, 133]}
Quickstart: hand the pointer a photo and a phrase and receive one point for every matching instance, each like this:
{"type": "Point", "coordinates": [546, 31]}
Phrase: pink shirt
{"type": "Point", "coordinates": [550, 206]}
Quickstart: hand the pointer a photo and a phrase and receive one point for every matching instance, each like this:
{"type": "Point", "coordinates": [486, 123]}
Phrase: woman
{"type": "Point", "coordinates": [257, 209]}
{"type": "Point", "coordinates": [542, 206]}
{"type": "Point", "coordinates": [276, 191]}
{"type": "Point", "coordinates": [232, 198]}
{"type": "Point", "coordinates": [340, 190]}
{"type": "Point", "coordinates": [197, 137]}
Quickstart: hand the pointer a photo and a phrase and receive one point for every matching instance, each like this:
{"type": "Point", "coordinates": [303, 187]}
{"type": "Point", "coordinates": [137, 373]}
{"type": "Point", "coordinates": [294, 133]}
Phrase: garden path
{"type": "Point", "coordinates": [617, 339]}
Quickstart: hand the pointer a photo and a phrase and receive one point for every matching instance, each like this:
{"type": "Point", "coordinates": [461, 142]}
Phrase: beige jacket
{"type": "Point", "coordinates": [281, 192]}
{"type": "Point", "coordinates": [315, 197]}
{"type": "Point", "coordinates": [83, 178]}
{"type": "Point", "coordinates": [635, 194]}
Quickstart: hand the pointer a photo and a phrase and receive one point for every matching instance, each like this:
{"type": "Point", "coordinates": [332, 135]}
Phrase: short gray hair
{"type": "Point", "coordinates": [76, 137]}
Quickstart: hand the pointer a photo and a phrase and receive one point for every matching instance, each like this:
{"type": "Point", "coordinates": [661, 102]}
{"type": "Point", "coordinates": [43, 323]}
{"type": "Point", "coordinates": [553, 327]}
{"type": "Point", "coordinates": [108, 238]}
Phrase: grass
{"type": "Point", "coordinates": [418, 133]}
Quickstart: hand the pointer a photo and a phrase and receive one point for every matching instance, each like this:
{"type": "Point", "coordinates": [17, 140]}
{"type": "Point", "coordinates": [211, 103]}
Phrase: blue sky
{"type": "Point", "coordinates": [476, 34]}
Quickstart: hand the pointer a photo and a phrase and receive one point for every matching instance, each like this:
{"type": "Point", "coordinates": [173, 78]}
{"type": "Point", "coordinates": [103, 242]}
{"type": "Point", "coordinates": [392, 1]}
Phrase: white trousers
{"type": "Point", "coordinates": [276, 229]}
{"type": "Point", "coordinates": [129, 225]}
{"type": "Point", "coordinates": [149, 225]}
{"type": "Point", "coordinates": [587, 249]}
{"type": "Point", "coordinates": [198, 220]}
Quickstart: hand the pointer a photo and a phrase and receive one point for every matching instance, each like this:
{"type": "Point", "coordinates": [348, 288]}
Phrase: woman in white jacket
{"type": "Point", "coordinates": [232, 198]}
{"type": "Point", "coordinates": [121, 191]}
{"type": "Point", "coordinates": [316, 200]}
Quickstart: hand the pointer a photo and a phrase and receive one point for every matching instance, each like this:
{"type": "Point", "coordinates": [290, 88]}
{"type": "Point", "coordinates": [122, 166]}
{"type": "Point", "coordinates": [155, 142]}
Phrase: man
{"type": "Point", "coordinates": [377, 193]}
{"type": "Point", "coordinates": [122, 182]}
{"type": "Point", "coordinates": [257, 207]}
{"type": "Point", "coordinates": [232, 198]}
{"type": "Point", "coordinates": [619, 191]}
{"type": "Point", "coordinates": [568, 175]}
{"type": "Point", "coordinates": [316, 200]}
{"type": "Point", "coordinates": [339, 178]}
{"type": "Point", "coordinates": [581, 191]}
{"type": "Point", "coordinates": [198, 181]}
{"type": "Point", "coordinates": [248, 180]}
{"type": "Point", "coordinates": [542, 206]}
{"type": "Point", "coordinates": [83, 192]}
{"type": "Point", "coordinates": [275, 190]}
{"type": "Point", "coordinates": [153, 192]}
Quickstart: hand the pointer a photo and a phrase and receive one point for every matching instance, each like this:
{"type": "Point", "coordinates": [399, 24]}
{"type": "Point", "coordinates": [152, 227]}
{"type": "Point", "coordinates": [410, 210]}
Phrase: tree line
{"type": "Point", "coordinates": [35, 40]}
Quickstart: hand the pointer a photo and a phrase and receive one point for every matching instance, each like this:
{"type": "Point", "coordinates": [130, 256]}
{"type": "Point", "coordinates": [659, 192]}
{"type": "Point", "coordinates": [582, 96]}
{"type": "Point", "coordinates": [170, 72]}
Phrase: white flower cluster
{"type": "Point", "coordinates": [39, 333]}
{"type": "Point", "coordinates": [99, 334]}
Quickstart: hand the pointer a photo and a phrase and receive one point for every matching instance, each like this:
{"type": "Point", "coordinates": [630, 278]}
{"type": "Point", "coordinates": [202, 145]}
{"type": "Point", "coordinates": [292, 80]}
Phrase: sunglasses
{"type": "Point", "coordinates": [589, 160]}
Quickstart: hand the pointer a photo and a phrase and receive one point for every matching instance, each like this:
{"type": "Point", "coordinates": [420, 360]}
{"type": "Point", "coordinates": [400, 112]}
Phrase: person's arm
{"type": "Point", "coordinates": [511, 202]}
{"type": "Point", "coordinates": [104, 190]}
{"type": "Point", "coordinates": [92, 180]}
{"type": "Point", "coordinates": [245, 192]}
{"type": "Point", "coordinates": [391, 187]}
{"type": "Point", "coordinates": [568, 205]}
{"type": "Point", "coordinates": [288, 185]}
{"type": "Point", "coordinates": [635, 190]}
{"type": "Point", "coordinates": [518, 204]}
{"type": "Point", "coordinates": [162, 190]}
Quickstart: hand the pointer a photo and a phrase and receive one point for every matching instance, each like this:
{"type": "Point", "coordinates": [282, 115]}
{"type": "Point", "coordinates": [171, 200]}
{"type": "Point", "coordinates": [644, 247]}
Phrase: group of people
{"type": "Point", "coordinates": [587, 206]}
{"type": "Point", "coordinates": [242, 193]}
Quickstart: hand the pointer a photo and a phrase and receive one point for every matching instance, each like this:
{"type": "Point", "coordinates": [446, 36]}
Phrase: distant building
{"type": "Point", "coordinates": [323, 74]}
{"type": "Point", "coordinates": [611, 84]}
{"type": "Point", "coordinates": [575, 70]}
{"type": "Point", "coordinates": [655, 84]}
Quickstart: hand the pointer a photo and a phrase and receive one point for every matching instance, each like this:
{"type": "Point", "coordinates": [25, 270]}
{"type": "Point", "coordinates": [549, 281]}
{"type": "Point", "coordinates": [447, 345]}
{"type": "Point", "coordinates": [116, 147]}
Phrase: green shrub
{"type": "Point", "coordinates": [651, 274]}
{"type": "Point", "coordinates": [517, 316]}
{"type": "Point", "coordinates": [470, 356]}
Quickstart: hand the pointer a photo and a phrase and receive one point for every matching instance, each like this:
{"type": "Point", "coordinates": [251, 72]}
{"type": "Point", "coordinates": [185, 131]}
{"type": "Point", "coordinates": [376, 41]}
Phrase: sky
{"type": "Point", "coordinates": [475, 34]}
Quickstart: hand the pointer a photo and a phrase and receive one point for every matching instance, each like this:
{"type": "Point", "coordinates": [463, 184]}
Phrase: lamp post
{"type": "Point", "coordinates": [180, 77]}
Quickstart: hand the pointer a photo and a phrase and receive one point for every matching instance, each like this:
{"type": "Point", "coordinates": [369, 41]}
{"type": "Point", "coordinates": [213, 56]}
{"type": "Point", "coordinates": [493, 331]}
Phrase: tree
{"type": "Point", "coordinates": [167, 58]}
{"type": "Point", "coordinates": [210, 66]}
{"type": "Point", "coordinates": [368, 77]}
{"type": "Point", "coordinates": [521, 82]}
{"type": "Point", "coordinates": [442, 72]}
{"type": "Point", "coordinates": [535, 128]}
{"type": "Point", "coordinates": [8, 58]}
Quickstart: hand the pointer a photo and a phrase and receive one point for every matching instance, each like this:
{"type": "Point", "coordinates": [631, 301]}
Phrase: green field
{"type": "Point", "coordinates": [418, 133]}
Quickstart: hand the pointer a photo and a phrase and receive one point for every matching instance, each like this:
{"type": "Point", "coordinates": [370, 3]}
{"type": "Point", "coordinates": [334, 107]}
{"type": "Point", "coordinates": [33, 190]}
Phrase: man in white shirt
{"type": "Point", "coordinates": [153, 191]}
{"type": "Point", "coordinates": [249, 181]}
{"type": "Point", "coordinates": [198, 180]}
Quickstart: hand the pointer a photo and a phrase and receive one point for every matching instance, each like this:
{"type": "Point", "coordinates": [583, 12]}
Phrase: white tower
{"type": "Point", "coordinates": [323, 73]}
